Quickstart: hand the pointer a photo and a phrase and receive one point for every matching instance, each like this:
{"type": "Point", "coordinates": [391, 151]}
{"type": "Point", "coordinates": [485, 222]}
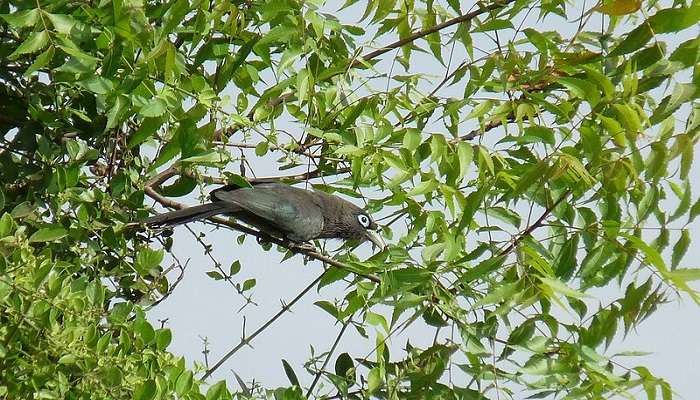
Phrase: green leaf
{"type": "Point", "coordinates": [146, 390]}
{"type": "Point", "coordinates": [473, 203]}
{"type": "Point", "coordinates": [374, 380]}
{"type": "Point", "coordinates": [483, 269]}
{"type": "Point", "coordinates": [680, 248]}
{"type": "Point", "coordinates": [684, 203]}
{"type": "Point", "coordinates": [343, 365]}
{"type": "Point", "coordinates": [537, 39]}
{"type": "Point", "coordinates": [184, 383]}
{"type": "Point", "coordinates": [682, 93]}
{"type": "Point", "coordinates": [95, 293]}
{"type": "Point", "coordinates": [35, 42]}
{"type": "Point", "coordinates": [375, 319]}
{"type": "Point", "coordinates": [687, 274]}
{"type": "Point", "coordinates": [654, 258]}
{"type": "Point", "coordinates": [465, 155]}
{"type": "Point", "coordinates": [354, 113]}
{"type": "Point", "coordinates": [67, 359]}
{"type": "Point", "coordinates": [619, 7]}
{"type": "Point", "coordinates": [411, 139]}
{"type": "Point", "coordinates": [97, 84]}
{"type": "Point", "coordinates": [289, 371]}
{"type": "Point", "coordinates": [560, 287]}
{"type": "Point", "coordinates": [211, 157]}
{"type": "Point", "coordinates": [694, 211]}
{"type": "Point", "coordinates": [22, 19]}
{"type": "Point", "coordinates": [148, 259]}
{"type": "Point", "coordinates": [634, 40]}
{"type": "Point", "coordinates": [248, 284]}
{"type": "Point", "coordinates": [495, 25]}
{"type": "Point", "coordinates": [566, 259]}
{"type": "Point", "coordinates": [687, 53]}
{"type": "Point", "coordinates": [155, 107]}
{"type": "Point", "coordinates": [497, 295]}
{"type": "Point", "coordinates": [261, 149]}
{"type": "Point", "coordinates": [674, 19]}
{"type": "Point", "coordinates": [403, 280]}
{"type": "Point", "coordinates": [602, 81]}
{"type": "Point", "coordinates": [215, 275]}
{"type": "Point", "coordinates": [6, 224]}
{"type": "Point", "coordinates": [112, 376]}
{"type": "Point", "coordinates": [236, 180]}
{"type": "Point", "coordinates": [218, 391]}
{"type": "Point", "coordinates": [504, 214]}
{"type": "Point", "coordinates": [485, 159]}
{"type": "Point", "coordinates": [582, 89]}
{"type": "Point", "coordinates": [62, 23]}
{"type": "Point", "coordinates": [234, 268]}
{"type": "Point", "coordinates": [40, 62]}
{"type": "Point", "coordinates": [629, 118]}
{"type": "Point", "coordinates": [48, 234]}
{"type": "Point", "coordinates": [163, 338]}
{"type": "Point", "coordinates": [423, 188]}
{"type": "Point", "coordinates": [116, 113]}
{"type": "Point", "coordinates": [328, 307]}
{"type": "Point", "coordinates": [538, 133]}
{"type": "Point", "coordinates": [144, 330]}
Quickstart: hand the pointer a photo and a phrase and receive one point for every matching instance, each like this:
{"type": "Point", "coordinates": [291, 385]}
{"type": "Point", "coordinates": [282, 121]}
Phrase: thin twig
{"type": "Point", "coordinates": [433, 29]}
{"type": "Point", "coordinates": [246, 340]}
{"type": "Point", "coordinates": [304, 176]}
{"type": "Point", "coordinates": [328, 357]}
{"type": "Point", "coordinates": [534, 225]}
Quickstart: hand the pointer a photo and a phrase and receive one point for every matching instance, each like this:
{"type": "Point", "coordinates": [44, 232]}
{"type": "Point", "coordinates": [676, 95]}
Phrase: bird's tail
{"type": "Point", "coordinates": [186, 215]}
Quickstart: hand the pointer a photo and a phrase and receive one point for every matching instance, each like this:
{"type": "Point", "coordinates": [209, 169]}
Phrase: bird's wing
{"type": "Point", "coordinates": [290, 210]}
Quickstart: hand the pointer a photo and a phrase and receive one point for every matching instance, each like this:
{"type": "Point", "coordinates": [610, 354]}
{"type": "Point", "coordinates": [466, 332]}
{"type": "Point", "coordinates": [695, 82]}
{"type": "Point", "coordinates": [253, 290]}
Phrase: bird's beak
{"type": "Point", "coordinates": [375, 239]}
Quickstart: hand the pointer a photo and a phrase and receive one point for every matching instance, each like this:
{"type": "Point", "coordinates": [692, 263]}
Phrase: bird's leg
{"type": "Point", "coordinates": [292, 244]}
{"type": "Point", "coordinates": [305, 246]}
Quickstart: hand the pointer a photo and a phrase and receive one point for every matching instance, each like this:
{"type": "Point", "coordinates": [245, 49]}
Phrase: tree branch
{"type": "Point", "coordinates": [328, 357]}
{"type": "Point", "coordinates": [305, 176]}
{"type": "Point", "coordinates": [534, 225]}
{"type": "Point", "coordinates": [246, 340]}
{"type": "Point", "coordinates": [433, 29]}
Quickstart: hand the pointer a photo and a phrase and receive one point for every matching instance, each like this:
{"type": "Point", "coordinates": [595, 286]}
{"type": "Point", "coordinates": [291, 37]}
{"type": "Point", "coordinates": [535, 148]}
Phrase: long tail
{"type": "Point", "coordinates": [186, 215]}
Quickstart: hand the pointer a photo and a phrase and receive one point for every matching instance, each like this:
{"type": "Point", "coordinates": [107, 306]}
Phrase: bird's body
{"type": "Point", "coordinates": [281, 210]}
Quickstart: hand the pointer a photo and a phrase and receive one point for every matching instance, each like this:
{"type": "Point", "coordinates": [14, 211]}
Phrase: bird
{"type": "Point", "coordinates": [281, 210]}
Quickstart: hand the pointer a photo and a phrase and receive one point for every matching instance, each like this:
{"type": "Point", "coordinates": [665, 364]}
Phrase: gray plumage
{"type": "Point", "coordinates": [281, 210]}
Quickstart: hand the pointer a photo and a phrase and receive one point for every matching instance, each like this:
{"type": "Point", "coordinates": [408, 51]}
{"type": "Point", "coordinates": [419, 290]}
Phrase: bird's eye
{"type": "Point", "coordinates": [364, 220]}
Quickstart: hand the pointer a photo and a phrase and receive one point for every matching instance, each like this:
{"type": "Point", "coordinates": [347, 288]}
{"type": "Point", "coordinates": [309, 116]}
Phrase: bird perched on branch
{"type": "Point", "coordinates": [281, 210]}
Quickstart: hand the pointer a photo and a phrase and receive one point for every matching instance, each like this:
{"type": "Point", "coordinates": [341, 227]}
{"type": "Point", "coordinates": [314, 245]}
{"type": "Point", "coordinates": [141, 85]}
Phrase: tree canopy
{"type": "Point", "coordinates": [518, 154]}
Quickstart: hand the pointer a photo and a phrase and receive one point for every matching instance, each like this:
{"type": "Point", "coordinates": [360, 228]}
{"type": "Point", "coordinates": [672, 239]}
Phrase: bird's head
{"type": "Point", "coordinates": [357, 224]}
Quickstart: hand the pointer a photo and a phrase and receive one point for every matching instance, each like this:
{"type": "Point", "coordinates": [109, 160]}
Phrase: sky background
{"type": "Point", "coordinates": [202, 307]}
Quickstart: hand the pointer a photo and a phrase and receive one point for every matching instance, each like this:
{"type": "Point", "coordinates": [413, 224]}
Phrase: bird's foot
{"type": "Point", "coordinates": [294, 245]}
{"type": "Point", "coordinates": [305, 246]}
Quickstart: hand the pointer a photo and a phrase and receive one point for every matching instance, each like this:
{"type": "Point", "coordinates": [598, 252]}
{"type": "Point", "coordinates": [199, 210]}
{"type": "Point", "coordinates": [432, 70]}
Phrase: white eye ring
{"type": "Point", "coordinates": [364, 220]}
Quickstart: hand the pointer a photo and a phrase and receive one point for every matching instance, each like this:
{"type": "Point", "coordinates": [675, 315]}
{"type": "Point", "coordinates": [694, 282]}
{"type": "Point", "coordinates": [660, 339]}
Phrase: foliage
{"type": "Point", "coordinates": [539, 167]}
